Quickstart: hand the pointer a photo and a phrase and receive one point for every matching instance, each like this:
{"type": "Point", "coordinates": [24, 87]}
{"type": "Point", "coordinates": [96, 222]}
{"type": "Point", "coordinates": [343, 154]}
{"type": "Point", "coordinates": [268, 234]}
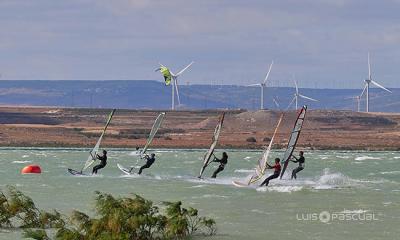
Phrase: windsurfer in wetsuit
{"type": "Point", "coordinates": [277, 171]}
{"type": "Point", "coordinates": [149, 161]}
{"type": "Point", "coordinates": [299, 160]}
{"type": "Point", "coordinates": [103, 162]}
{"type": "Point", "coordinates": [222, 162]}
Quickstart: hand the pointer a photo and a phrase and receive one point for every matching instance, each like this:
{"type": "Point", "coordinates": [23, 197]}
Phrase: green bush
{"type": "Point", "coordinates": [115, 219]}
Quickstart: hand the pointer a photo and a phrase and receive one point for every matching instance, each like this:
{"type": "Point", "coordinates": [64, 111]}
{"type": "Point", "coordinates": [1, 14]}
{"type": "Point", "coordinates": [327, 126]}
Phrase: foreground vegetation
{"type": "Point", "coordinates": [115, 219]}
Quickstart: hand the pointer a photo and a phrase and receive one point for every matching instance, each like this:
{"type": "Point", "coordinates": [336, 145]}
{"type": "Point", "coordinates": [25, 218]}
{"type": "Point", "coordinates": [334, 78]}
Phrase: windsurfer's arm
{"type": "Point", "coordinates": [294, 158]}
{"type": "Point", "coordinates": [269, 166]}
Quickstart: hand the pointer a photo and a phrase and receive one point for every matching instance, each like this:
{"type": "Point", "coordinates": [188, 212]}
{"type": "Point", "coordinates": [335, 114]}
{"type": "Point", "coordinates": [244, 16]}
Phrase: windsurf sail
{"type": "Point", "coordinates": [92, 156]}
{"type": "Point", "coordinates": [294, 137]}
{"type": "Point", "coordinates": [261, 167]}
{"type": "Point", "coordinates": [153, 132]}
{"type": "Point", "coordinates": [215, 138]}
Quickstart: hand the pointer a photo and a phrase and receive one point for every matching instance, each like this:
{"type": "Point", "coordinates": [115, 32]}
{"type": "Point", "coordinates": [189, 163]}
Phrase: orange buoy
{"type": "Point", "coordinates": [31, 169]}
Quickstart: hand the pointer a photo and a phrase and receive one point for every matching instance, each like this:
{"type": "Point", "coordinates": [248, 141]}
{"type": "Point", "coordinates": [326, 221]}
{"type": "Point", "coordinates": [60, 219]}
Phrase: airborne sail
{"type": "Point", "coordinates": [92, 156]}
{"type": "Point", "coordinates": [261, 167]}
{"type": "Point", "coordinates": [210, 151]}
{"type": "Point", "coordinates": [293, 139]}
{"type": "Point", "coordinates": [154, 129]}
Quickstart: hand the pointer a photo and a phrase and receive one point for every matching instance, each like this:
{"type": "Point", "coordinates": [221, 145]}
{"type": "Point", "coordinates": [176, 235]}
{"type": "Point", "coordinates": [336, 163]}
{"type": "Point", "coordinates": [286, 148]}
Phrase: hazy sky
{"type": "Point", "coordinates": [324, 43]}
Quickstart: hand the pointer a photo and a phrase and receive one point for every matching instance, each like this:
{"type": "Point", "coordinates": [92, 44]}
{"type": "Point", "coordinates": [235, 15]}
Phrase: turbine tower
{"type": "Point", "coordinates": [172, 79]}
{"type": "Point", "coordinates": [368, 81]}
{"type": "Point", "coordinates": [297, 95]}
{"type": "Point", "coordinates": [263, 85]}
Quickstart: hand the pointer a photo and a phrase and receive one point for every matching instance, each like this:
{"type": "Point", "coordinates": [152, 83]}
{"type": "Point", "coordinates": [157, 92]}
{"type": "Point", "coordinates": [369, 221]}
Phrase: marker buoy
{"type": "Point", "coordinates": [31, 169]}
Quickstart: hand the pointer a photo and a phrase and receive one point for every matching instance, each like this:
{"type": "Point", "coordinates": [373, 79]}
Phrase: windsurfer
{"type": "Point", "coordinates": [222, 162]}
{"type": "Point", "coordinates": [299, 160]}
{"type": "Point", "coordinates": [149, 161]}
{"type": "Point", "coordinates": [103, 162]}
{"type": "Point", "coordinates": [277, 171]}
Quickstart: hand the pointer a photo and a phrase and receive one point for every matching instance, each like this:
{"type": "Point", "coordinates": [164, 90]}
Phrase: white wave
{"type": "Point", "coordinates": [211, 196]}
{"type": "Point", "coordinates": [244, 170]}
{"type": "Point", "coordinates": [25, 156]}
{"type": "Point", "coordinates": [26, 161]}
{"type": "Point", "coordinates": [248, 157]}
{"type": "Point", "coordinates": [362, 158]}
{"type": "Point", "coordinates": [358, 211]}
{"type": "Point", "coordinates": [260, 212]}
{"type": "Point", "coordinates": [198, 186]}
{"type": "Point", "coordinates": [343, 157]}
{"type": "Point", "coordinates": [284, 189]}
{"type": "Point", "coordinates": [396, 157]}
{"type": "Point", "coordinates": [390, 172]}
{"type": "Point", "coordinates": [135, 153]}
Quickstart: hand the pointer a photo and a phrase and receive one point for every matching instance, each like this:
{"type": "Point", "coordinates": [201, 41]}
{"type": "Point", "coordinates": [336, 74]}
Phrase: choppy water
{"type": "Point", "coordinates": [352, 183]}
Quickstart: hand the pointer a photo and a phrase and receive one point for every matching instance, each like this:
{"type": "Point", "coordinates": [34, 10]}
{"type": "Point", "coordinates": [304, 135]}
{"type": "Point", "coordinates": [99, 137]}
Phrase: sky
{"type": "Point", "coordinates": [322, 44]}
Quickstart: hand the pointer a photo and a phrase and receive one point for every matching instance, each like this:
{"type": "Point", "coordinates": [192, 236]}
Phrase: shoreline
{"type": "Point", "coordinates": [25, 126]}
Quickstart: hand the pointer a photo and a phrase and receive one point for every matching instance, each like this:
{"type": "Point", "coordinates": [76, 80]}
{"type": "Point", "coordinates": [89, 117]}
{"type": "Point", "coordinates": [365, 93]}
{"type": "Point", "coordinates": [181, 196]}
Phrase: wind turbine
{"type": "Point", "coordinates": [358, 100]}
{"type": "Point", "coordinates": [369, 81]}
{"type": "Point", "coordinates": [297, 95]}
{"type": "Point", "coordinates": [172, 79]}
{"type": "Point", "coordinates": [262, 85]}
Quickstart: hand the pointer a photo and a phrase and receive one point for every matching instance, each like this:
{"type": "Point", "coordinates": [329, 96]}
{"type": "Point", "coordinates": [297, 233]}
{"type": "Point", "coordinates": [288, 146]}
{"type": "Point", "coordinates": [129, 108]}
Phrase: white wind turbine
{"type": "Point", "coordinates": [263, 85]}
{"type": "Point", "coordinates": [367, 82]}
{"type": "Point", "coordinates": [358, 100]}
{"type": "Point", "coordinates": [297, 95]}
{"type": "Point", "coordinates": [174, 81]}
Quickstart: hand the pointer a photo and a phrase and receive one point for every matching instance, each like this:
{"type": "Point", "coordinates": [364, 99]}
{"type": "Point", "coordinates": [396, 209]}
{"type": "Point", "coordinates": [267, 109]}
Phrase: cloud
{"type": "Point", "coordinates": [324, 43]}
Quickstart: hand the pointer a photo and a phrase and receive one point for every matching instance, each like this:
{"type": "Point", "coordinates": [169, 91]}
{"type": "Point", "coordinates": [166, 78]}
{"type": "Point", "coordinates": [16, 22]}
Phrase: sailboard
{"type": "Point", "coordinates": [262, 165]}
{"type": "Point", "coordinates": [92, 156]}
{"type": "Point", "coordinates": [156, 125]}
{"type": "Point", "coordinates": [210, 152]}
{"type": "Point", "coordinates": [294, 137]}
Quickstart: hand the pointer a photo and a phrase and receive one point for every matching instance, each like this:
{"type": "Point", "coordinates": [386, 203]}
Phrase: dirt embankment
{"type": "Point", "coordinates": [323, 129]}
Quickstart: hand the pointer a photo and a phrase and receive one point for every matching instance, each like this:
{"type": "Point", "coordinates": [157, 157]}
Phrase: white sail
{"type": "Point", "coordinates": [262, 163]}
{"type": "Point", "coordinates": [293, 139]}
{"type": "Point", "coordinates": [210, 151]}
{"type": "Point", "coordinates": [153, 132]}
{"type": "Point", "coordinates": [92, 156]}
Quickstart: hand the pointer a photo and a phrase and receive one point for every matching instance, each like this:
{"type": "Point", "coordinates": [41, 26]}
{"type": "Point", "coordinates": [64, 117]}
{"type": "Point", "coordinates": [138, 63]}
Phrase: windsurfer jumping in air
{"type": "Point", "coordinates": [103, 162]}
{"type": "Point", "coordinates": [301, 161]}
{"type": "Point", "coordinates": [223, 161]}
{"type": "Point", "coordinates": [277, 171]}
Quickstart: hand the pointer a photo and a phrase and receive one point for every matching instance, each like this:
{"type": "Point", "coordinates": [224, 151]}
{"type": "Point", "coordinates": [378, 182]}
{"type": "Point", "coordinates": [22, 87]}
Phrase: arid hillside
{"type": "Point", "coordinates": [73, 127]}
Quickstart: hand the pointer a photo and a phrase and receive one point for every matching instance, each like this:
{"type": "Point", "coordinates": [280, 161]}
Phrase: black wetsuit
{"type": "Point", "coordinates": [149, 162]}
{"type": "Point", "coordinates": [277, 171]}
{"type": "Point", "coordinates": [103, 163]}
{"type": "Point", "coordinates": [223, 161]}
{"type": "Point", "coordinates": [301, 161]}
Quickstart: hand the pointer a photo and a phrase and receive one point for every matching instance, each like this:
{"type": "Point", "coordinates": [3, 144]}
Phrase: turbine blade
{"type": "Point", "coordinates": [252, 85]}
{"type": "Point", "coordinates": [291, 102]}
{"type": "Point", "coordinates": [297, 88]}
{"type": "Point", "coordinates": [177, 90]}
{"type": "Point", "coordinates": [181, 71]}
{"type": "Point", "coordinates": [380, 86]}
{"type": "Point", "coordinates": [276, 103]}
{"type": "Point", "coordinates": [363, 91]}
{"type": "Point", "coordinates": [269, 70]}
{"type": "Point", "coordinates": [305, 97]}
{"type": "Point", "coordinates": [369, 68]}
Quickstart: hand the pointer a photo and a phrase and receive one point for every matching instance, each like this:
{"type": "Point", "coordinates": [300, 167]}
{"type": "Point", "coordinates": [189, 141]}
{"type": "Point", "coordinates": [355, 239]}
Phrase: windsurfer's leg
{"type": "Point", "coordinates": [219, 169]}
{"type": "Point", "coordinates": [143, 167]}
{"type": "Point", "coordinates": [266, 181]}
{"type": "Point", "coordinates": [295, 171]}
{"type": "Point", "coordinates": [97, 167]}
